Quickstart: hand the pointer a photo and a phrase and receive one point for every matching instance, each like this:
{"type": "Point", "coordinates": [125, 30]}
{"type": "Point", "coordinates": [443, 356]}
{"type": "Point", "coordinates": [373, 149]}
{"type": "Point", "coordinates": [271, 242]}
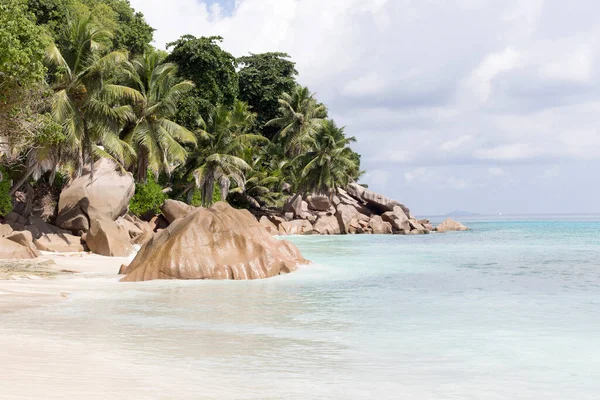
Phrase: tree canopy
{"type": "Point", "coordinates": [210, 68]}
{"type": "Point", "coordinates": [264, 78]}
{"type": "Point", "coordinates": [81, 81]}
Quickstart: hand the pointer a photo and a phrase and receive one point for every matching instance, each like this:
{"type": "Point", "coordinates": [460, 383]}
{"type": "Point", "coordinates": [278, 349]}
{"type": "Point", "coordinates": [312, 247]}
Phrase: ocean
{"type": "Point", "coordinates": [508, 310]}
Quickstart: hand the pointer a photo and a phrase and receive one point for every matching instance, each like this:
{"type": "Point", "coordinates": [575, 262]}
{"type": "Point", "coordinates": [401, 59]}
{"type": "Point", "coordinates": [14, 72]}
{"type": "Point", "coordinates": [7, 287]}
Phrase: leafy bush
{"type": "Point", "coordinates": [5, 199]}
{"type": "Point", "coordinates": [148, 198]}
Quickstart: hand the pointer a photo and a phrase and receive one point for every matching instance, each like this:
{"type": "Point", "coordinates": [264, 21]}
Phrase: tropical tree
{"type": "Point", "coordinates": [263, 79]}
{"type": "Point", "coordinates": [329, 164]}
{"type": "Point", "coordinates": [213, 71]}
{"type": "Point", "coordinates": [154, 136]}
{"type": "Point", "coordinates": [223, 137]}
{"type": "Point", "coordinates": [90, 108]}
{"type": "Point", "coordinates": [301, 118]}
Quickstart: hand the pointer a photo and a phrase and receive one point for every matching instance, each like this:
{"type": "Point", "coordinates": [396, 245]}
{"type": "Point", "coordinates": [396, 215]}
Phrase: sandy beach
{"type": "Point", "coordinates": [31, 283]}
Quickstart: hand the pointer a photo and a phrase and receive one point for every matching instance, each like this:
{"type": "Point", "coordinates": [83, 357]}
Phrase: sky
{"type": "Point", "coordinates": [488, 106]}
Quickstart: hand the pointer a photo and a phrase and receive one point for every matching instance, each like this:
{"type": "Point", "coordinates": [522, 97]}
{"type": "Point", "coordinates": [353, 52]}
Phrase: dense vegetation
{"type": "Point", "coordinates": [79, 79]}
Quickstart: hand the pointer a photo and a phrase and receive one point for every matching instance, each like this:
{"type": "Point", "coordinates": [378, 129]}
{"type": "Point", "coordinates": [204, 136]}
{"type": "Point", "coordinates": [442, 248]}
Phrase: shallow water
{"type": "Point", "coordinates": [509, 310]}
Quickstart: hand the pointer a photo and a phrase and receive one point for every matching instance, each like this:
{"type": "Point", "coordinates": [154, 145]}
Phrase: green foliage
{"type": "Point", "coordinates": [301, 118]}
{"type": "Point", "coordinates": [329, 164]}
{"type": "Point", "coordinates": [154, 136]}
{"type": "Point", "coordinates": [148, 198]}
{"type": "Point", "coordinates": [211, 69]}
{"type": "Point", "coordinates": [132, 32]}
{"type": "Point", "coordinates": [90, 108]}
{"type": "Point", "coordinates": [51, 13]}
{"type": "Point", "coordinates": [5, 199]}
{"type": "Point", "coordinates": [22, 47]}
{"type": "Point", "coordinates": [223, 138]}
{"type": "Point", "coordinates": [105, 92]}
{"type": "Point", "coordinates": [263, 80]}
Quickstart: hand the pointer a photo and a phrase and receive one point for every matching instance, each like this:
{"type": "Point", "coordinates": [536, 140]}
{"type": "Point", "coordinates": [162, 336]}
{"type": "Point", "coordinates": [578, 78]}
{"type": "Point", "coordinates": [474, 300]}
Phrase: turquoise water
{"type": "Point", "coordinates": [509, 310]}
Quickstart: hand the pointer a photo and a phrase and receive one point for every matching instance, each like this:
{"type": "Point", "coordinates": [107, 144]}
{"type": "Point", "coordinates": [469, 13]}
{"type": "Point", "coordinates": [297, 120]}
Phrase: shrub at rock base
{"type": "Point", "coordinates": [147, 199]}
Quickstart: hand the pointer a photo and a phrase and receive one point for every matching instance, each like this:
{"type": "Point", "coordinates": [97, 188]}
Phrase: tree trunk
{"type": "Point", "coordinates": [21, 181]}
{"type": "Point", "coordinates": [142, 166]}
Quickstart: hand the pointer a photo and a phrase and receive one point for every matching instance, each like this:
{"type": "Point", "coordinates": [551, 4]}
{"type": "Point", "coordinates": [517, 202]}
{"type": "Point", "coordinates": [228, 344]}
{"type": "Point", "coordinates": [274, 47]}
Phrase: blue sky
{"type": "Point", "coordinates": [481, 105]}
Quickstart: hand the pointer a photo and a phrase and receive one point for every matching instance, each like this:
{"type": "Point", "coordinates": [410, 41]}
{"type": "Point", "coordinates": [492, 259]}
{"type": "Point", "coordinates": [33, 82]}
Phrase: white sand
{"type": "Point", "coordinates": [52, 277]}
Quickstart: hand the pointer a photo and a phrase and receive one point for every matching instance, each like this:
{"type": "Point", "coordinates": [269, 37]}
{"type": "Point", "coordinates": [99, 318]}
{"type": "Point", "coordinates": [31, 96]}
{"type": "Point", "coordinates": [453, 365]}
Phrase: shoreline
{"type": "Point", "coordinates": [51, 278]}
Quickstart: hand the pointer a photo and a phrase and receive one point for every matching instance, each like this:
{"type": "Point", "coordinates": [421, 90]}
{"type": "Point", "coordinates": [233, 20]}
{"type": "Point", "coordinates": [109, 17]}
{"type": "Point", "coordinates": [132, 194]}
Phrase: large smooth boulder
{"type": "Point", "coordinates": [344, 198]}
{"type": "Point", "coordinates": [379, 226]}
{"type": "Point", "coordinates": [174, 209]}
{"type": "Point", "coordinates": [5, 230]}
{"type": "Point", "coordinates": [219, 242]}
{"type": "Point", "coordinates": [105, 197]}
{"type": "Point", "coordinates": [59, 243]}
{"type": "Point", "coordinates": [375, 201]}
{"type": "Point", "coordinates": [10, 250]}
{"type": "Point", "coordinates": [327, 225]}
{"type": "Point", "coordinates": [318, 203]}
{"type": "Point", "coordinates": [130, 227]}
{"type": "Point", "coordinates": [295, 227]}
{"type": "Point", "coordinates": [268, 225]}
{"type": "Point", "coordinates": [24, 238]}
{"type": "Point", "coordinates": [398, 220]}
{"type": "Point", "coordinates": [345, 214]}
{"type": "Point", "coordinates": [108, 238]}
{"type": "Point", "coordinates": [451, 225]}
{"type": "Point", "coordinates": [295, 206]}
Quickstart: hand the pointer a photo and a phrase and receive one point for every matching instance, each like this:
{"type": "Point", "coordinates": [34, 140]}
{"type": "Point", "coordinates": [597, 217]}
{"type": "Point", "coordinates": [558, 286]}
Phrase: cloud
{"type": "Point", "coordinates": [494, 171]}
{"type": "Point", "coordinates": [448, 84]}
{"type": "Point", "coordinates": [418, 175]}
{"type": "Point", "coordinates": [452, 145]}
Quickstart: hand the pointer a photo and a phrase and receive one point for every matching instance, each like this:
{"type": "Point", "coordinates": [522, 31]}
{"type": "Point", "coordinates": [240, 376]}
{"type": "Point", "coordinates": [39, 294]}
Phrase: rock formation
{"type": "Point", "coordinates": [108, 238]}
{"type": "Point", "coordinates": [15, 251]}
{"type": "Point", "coordinates": [59, 243]}
{"type": "Point", "coordinates": [219, 242]}
{"type": "Point", "coordinates": [173, 209]}
{"type": "Point", "coordinates": [356, 210]}
{"type": "Point", "coordinates": [105, 197]}
{"type": "Point", "coordinates": [451, 225]}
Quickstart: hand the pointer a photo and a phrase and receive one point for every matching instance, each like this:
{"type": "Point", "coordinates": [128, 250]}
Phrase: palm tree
{"type": "Point", "coordinates": [301, 118]}
{"type": "Point", "coordinates": [154, 136]}
{"type": "Point", "coordinates": [264, 179]}
{"type": "Point", "coordinates": [222, 140]}
{"type": "Point", "coordinates": [329, 164]}
{"type": "Point", "coordinates": [90, 109]}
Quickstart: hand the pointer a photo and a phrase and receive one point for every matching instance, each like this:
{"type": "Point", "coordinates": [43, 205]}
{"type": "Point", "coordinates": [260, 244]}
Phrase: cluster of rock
{"type": "Point", "coordinates": [92, 215]}
{"type": "Point", "coordinates": [186, 242]}
{"type": "Point", "coordinates": [356, 210]}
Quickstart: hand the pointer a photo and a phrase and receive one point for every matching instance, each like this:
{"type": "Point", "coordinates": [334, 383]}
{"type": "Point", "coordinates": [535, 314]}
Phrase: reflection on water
{"type": "Point", "coordinates": [508, 310]}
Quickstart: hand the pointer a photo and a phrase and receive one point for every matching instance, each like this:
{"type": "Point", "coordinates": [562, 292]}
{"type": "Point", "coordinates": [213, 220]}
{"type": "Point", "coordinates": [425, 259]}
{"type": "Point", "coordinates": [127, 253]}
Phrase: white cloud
{"type": "Point", "coordinates": [452, 145]}
{"type": "Point", "coordinates": [426, 83]}
{"type": "Point", "coordinates": [418, 175]}
{"type": "Point", "coordinates": [495, 171]}
{"type": "Point", "coordinates": [480, 81]}
{"type": "Point", "coordinates": [368, 84]}
{"type": "Point", "coordinates": [457, 183]}
{"type": "Point", "coordinates": [510, 152]}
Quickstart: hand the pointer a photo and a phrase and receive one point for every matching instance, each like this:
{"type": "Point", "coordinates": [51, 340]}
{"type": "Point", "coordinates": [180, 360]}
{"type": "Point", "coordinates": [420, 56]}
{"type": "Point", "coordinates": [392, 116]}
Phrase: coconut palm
{"type": "Point", "coordinates": [90, 109]}
{"type": "Point", "coordinates": [154, 136]}
{"type": "Point", "coordinates": [222, 140]}
{"type": "Point", "coordinates": [329, 164]}
{"type": "Point", "coordinates": [301, 118]}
